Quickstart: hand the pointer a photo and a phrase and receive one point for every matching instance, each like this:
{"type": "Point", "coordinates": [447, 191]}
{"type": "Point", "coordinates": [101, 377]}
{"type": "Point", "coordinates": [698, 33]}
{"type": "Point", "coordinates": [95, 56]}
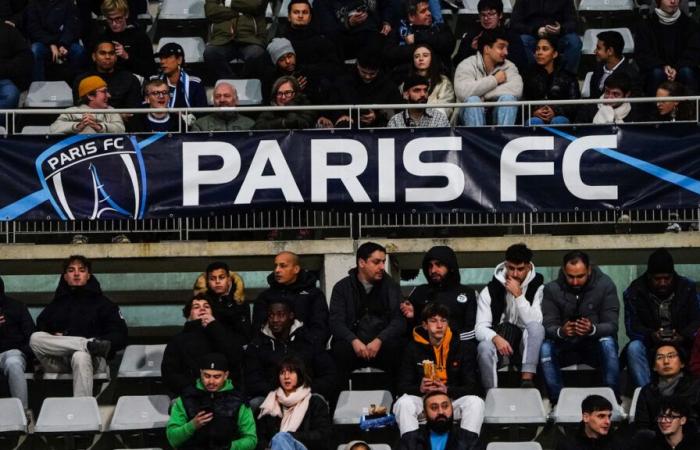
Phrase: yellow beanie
{"type": "Point", "coordinates": [90, 84]}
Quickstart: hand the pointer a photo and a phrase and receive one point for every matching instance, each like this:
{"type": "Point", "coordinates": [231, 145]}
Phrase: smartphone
{"type": "Point", "coordinates": [666, 333]}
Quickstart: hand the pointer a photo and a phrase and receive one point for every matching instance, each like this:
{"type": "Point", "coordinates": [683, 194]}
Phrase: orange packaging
{"type": "Point", "coordinates": [429, 369]}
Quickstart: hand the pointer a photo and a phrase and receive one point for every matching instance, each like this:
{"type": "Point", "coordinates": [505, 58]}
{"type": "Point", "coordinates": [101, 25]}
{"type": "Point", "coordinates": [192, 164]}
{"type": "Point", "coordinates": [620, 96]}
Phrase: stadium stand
{"type": "Point", "coordinates": [568, 409]}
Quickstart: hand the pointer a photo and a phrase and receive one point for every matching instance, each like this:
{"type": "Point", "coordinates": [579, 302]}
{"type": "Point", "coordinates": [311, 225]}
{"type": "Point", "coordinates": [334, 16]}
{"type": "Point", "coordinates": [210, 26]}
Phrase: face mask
{"type": "Point", "coordinates": [440, 425]}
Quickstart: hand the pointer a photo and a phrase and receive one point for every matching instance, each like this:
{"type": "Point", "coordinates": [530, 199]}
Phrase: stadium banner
{"type": "Point", "coordinates": [512, 169]}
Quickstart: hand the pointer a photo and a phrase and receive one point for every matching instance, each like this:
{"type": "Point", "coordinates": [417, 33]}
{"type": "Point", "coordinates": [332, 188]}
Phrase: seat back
{"type": "Point", "coordinates": [69, 415]}
{"type": "Point", "coordinates": [514, 405]}
{"type": "Point", "coordinates": [140, 412]}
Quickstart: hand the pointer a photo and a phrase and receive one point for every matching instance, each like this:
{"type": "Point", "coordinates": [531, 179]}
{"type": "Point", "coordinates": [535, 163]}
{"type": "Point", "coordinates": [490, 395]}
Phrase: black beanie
{"type": "Point", "coordinates": [214, 361]}
{"type": "Point", "coordinates": [660, 261]}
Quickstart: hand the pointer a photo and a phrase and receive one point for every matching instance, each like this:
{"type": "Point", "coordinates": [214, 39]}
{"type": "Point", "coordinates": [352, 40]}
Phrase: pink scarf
{"type": "Point", "coordinates": [291, 408]}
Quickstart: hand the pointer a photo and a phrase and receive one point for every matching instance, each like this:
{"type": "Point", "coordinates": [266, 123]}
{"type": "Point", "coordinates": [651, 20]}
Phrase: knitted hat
{"type": "Point", "coordinates": [214, 361]}
{"type": "Point", "coordinates": [90, 84]}
{"type": "Point", "coordinates": [279, 47]}
{"type": "Point", "coordinates": [660, 261]}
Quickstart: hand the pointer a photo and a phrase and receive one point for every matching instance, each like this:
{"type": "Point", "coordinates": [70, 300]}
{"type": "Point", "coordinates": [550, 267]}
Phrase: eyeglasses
{"type": "Point", "coordinates": [285, 93]}
{"type": "Point", "coordinates": [666, 356]}
{"type": "Point", "coordinates": [102, 91]}
{"type": "Point", "coordinates": [115, 19]}
{"type": "Point", "coordinates": [667, 418]}
{"type": "Point", "coordinates": [159, 93]}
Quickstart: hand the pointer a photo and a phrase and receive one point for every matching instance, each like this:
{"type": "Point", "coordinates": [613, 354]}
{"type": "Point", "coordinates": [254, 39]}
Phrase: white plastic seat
{"type": "Point", "coordinates": [470, 7]}
{"type": "Point", "coordinates": [514, 446]}
{"type": "Point", "coordinates": [141, 361]}
{"type": "Point", "coordinates": [568, 409]}
{"type": "Point", "coordinates": [192, 46]}
{"type": "Point", "coordinates": [12, 418]}
{"type": "Point", "coordinates": [35, 129]}
{"type": "Point", "coordinates": [514, 405]}
{"type": "Point", "coordinates": [606, 5]}
{"type": "Point", "coordinates": [3, 130]}
{"type": "Point", "coordinates": [352, 403]}
{"type": "Point", "coordinates": [249, 91]}
{"type": "Point", "coordinates": [586, 88]}
{"type": "Point", "coordinates": [371, 446]}
{"type": "Point", "coordinates": [69, 415]}
{"type": "Point", "coordinates": [49, 94]}
{"type": "Point", "coordinates": [578, 367]}
{"type": "Point", "coordinates": [590, 38]}
{"type": "Point", "coordinates": [140, 412]}
{"type": "Point", "coordinates": [182, 10]}
{"type": "Point", "coordinates": [633, 406]}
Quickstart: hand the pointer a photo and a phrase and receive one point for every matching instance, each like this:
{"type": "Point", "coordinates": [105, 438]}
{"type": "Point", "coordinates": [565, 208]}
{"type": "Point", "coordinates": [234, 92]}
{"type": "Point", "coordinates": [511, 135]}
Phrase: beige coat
{"type": "Point", "coordinates": [66, 122]}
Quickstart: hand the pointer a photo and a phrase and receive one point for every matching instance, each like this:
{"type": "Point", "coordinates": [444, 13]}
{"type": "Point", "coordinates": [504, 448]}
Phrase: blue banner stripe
{"type": "Point", "coordinates": [678, 179]}
{"type": "Point", "coordinates": [16, 209]}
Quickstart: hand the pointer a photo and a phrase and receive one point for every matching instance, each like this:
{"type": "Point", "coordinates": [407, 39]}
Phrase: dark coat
{"type": "Point", "coordinates": [334, 15]}
{"type": "Point", "coordinates": [461, 300]}
{"type": "Point", "coordinates": [657, 45]}
{"type": "Point", "coordinates": [18, 326]}
{"type": "Point", "coordinates": [529, 15]}
{"type": "Point", "coordinates": [459, 439]}
{"type": "Point", "coordinates": [282, 120]}
{"type": "Point", "coordinates": [143, 123]}
{"type": "Point", "coordinates": [233, 315]}
{"type": "Point", "coordinates": [85, 312]}
{"type": "Point", "coordinates": [688, 389]}
{"type": "Point", "coordinates": [345, 309]}
{"type": "Point", "coordinates": [181, 360]}
{"type": "Point", "coordinates": [313, 49]}
{"type": "Point", "coordinates": [351, 90]}
{"type": "Point", "coordinates": [559, 85]}
{"type": "Point", "coordinates": [264, 353]}
{"type": "Point", "coordinates": [315, 431]}
{"type": "Point", "coordinates": [626, 66]}
{"type": "Point", "coordinates": [16, 60]}
{"type": "Point", "coordinates": [438, 36]}
{"type": "Point", "coordinates": [461, 367]}
{"type": "Point", "coordinates": [138, 45]}
{"type": "Point", "coordinates": [124, 88]}
{"type": "Point", "coordinates": [308, 301]}
{"type": "Point", "coordinates": [690, 442]}
{"type": "Point", "coordinates": [642, 313]}
{"type": "Point", "coordinates": [52, 22]}
{"type": "Point", "coordinates": [13, 11]}
{"type": "Point", "coordinates": [579, 441]}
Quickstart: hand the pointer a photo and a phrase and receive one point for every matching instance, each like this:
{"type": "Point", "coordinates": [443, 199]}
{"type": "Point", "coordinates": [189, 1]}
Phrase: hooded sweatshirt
{"type": "Point", "coordinates": [18, 326]}
{"type": "Point", "coordinates": [518, 311]}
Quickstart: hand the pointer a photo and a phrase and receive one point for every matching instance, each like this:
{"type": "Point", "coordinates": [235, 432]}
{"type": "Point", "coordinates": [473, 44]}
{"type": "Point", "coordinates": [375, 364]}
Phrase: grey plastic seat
{"type": "Point", "coordinates": [35, 129]}
{"type": "Point", "coordinates": [470, 7]}
{"type": "Point", "coordinates": [182, 10]}
{"type": "Point", "coordinates": [514, 446]}
{"type": "Point", "coordinates": [249, 91]}
{"type": "Point", "coordinates": [633, 406]}
{"type": "Point", "coordinates": [371, 446]}
{"type": "Point", "coordinates": [352, 404]}
{"type": "Point", "coordinates": [568, 409]}
{"type": "Point", "coordinates": [606, 5]}
{"type": "Point", "coordinates": [49, 94]}
{"type": "Point", "coordinates": [578, 367]}
{"type": "Point", "coordinates": [141, 361]}
{"type": "Point", "coordinates": [514, 405]}
{"type": "Point", "coordinates": [192, 46]}
{"type": "Point", "coordinates": [12, 418]}
{"type": "Point", "coordinates": [140, 412]}
{"type": "Point", "coordinates": [3, 130]}
{"type": "Point", "coordinates": [69, 414]}
{"type": "Point", "coordinates": [590, 39]}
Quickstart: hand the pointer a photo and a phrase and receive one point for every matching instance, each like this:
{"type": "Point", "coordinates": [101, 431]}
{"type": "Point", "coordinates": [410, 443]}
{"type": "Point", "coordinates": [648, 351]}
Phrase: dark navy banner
{"type": "Point", "coordinates": [465, 169]}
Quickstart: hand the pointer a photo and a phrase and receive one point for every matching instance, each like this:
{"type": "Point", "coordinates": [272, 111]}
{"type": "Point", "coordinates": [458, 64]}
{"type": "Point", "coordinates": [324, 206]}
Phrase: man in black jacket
{"type": "Point", "coordinates": [12, 12]}
{"type": "Point", "coordinates": [595, 430]}
{"type": "Point", "coordinates": [80, 328]}
{"type": "Point", "coordinates": [675, 432]}
{"type": "Point", "coordinates": [609, 57]}
{"type": "Point", "coordinates": [16, 327]}
{"type": "Point", "coordinates": [365, 320]}
{"type": "Point", "coordinates": [298, 286]}
{"type": "Point", "coordinates": [660, 306]}
{"type": "Point", "coordinates": [284, 335]}
{"type": "Point", "coordinates": [441, 270]}
{"type": "Point", "coordinates": [15, 67]}
{"type": "Point", "coordinates": [203, 333]}
{"type": "Point", "coordinates": [440, 431]}
{"type": "Point", "coordinates": [435, 360]}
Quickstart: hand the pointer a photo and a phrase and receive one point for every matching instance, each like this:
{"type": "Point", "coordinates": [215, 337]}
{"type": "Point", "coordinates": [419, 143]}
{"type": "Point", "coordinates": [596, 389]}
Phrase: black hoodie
{"type": "Point", "coordinates": [18, 326]}
{"type": "Point", "coordinates": [308, 301]}
{"type": "Point", "coordinates": [84, 311]}
{"type": "Point", "coordinates": [461, 300]}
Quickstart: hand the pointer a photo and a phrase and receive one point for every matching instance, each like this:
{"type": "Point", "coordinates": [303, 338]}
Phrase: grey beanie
{"type": "Point", "coordinates": [279, 47]}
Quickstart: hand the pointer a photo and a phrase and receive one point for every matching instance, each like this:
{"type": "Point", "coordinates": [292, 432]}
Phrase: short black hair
{"type": "Point", "coordinates": [79, 258]}
{"type": "Point", "coordinates": [101, 41]}
{"type": "Point", "coordinates": [575, 256]}
{"type": "Point", "coordinates": [594, 403]}
{"type": "Point", "coordinates": [682, 355]}
{"type": "Point", "coordinates": [296, 365]}
{"type": "Point", "coordinates": [435, 309]}
{"type": "Point", "coordinates": [487, 5]}
{"type": "Point", "coordinates": [216, 266]}
{"type": "Point", "coordinates": [518, 253]}
{"type": "Point", "coordinates": [612, 39]}
{"type": "Point", "coordinates": [279, 300]}
{"type": "Point", "coordinates": [675, 405]}
{"type": "Point", "coordinates": [365, 250]}
{"type": "Point", "coordinates": [188, 306]}
{"type": "Point", "coordinates": [369, 59]}
{"type": "Point", "coordinates": [489, 37]}
{"type": "Point", "coordinates": [412, 6]}
{"type": "Point", "coordinates": [431, 394]}
{"type": "Point", "coordinates": [619, 80]}
{"type": "Point", "coordinates": [292, 2]}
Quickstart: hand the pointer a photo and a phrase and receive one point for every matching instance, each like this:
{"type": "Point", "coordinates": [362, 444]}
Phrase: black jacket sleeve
{"type": "Point", "coordinates": [113, 326]}
{"type": "Point", "coordinates": [320, 427]}
{"type": "Point", "coordinates": [409, 377]}
{"type": "Point", "coordinates": [317, 325]}
{"type": "Point", "coordinates": [397, 324]}
{"type": "Point", "coordinates": [27, 327]}
{"type": "Point", "coordinates": [176, 376]}
{"type": "Point", "coordinates": [341, 296]}
{"type": "Point", "coordinates": [224, 343]}
{"type": "Point", "coordinates": [256, 379]}
{"type": "Point", "coordinates": [18, 67]}
{"type": "Point", "coordinates": [467, 383]}
{"type": "Point", "coordinates": [325, 376]}
{"type": "Point", "coordinates": [71, 27]}
{"type": "Point", "coordinates": [141, 59]}
{"type": "Point", "coordinates": [645, 54]}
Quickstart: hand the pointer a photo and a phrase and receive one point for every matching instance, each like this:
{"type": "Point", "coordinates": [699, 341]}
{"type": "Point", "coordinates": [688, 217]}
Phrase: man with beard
{"type": "Point", "coordinates": [79, 329]}
{"type": "Point", "coordinates": [284, 63]}
{"type": "Point", "coordinates": [224, 96]}
{"type": "Point", "coordinates": [435, 360]}
{"type": "Point", "coordinates": [365, 320]}
{"type": "Point", "coordinates": [660, 306]}
{"type": "Point", "coordinates": [509, 318]}
{"type": "Point", "coordinates": [440, 432]}
{"type": "Point", "coordinates": [443, 288]}
{"type": "Point", "coordinates": [580, 310]}
{"type": "Point", "coordinates": [415, 91]}
{"type": "Point", "coordinates": [594, 432]}
{"type": "Point", "coordinates": [290, 282]}
{"type": "Point", "coordinates": [157, 95]}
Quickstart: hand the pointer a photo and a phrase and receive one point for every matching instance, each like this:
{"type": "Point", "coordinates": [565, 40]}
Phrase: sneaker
{"type": "Point", "coordinates": [120, 239]}
{"type": "Point", "coordinates": [79, 239]}
{"type": "Point", "coordinates": [99, 347]}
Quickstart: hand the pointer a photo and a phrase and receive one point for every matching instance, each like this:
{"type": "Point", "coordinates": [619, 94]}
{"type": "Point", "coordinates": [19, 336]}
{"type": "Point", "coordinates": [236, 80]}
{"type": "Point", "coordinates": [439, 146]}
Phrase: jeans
{"type": "Point", "coordinates": [600, 353]}
{"type": "Point", "coordinates": [217, 57]}
{"type": "Point", "coordinates": [687, 76]}
{"type": "Point", "coordinates": [9, 97]}
{"type": "Point", "coordinates": [285, 441]}
{"type": "Point", "coordinates": [502, 115]}
{"type": "Point", "coordinates": [638, 363]}
{"type": "Point", "coordinates": [569, 49]}
{"type": "Point", "coordinates": [12, 365]}
{"type": "Point", "coordinates": [42, 54]}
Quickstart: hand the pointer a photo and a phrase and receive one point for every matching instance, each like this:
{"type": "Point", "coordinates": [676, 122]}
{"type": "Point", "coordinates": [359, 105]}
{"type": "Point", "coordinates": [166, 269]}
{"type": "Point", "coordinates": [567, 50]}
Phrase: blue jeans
{"type": "Point", "coordinates": [502, 115]}
{"type": "Point", "coordinates": [687, 76]}
{"type": "Point", "coordinates": [285, 441]}
{"type": "Point", "coordinates": [556, 120]}
{"type": "Point", "coordinates": [12, 365]}
{"type": "Point", "coordinates": [638, 363]}
{"type": "Point", "coordinates": [600, 353]}
{"type": "Point", "coordinates": [42, 54]}
{"type": "Point", "coordinates": [569, 49]}
{"type": "Point", "coordinates": [9, 97]}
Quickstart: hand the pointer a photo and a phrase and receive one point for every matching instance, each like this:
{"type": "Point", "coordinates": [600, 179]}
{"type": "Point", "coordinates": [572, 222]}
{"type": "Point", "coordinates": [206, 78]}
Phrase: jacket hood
{"type": "Point", "coordinates": [592, 280]}
{"type": "Point", "coordinates": [499, 273]}
{"type": "Point", "coordinates": [228, 386]}
{"type": "Point", "coordinates": [305, 280]}
{"type": "Point", "coordinates": [446, 256]}
{"type": "Point", "coordinates": [420, 335]}
{"type": "Point", "coordinates": [91, 288]}
{"type": "Point", "coordinates": [238, 288]}
{"type": "Point", "coordinates": [297, 325]}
